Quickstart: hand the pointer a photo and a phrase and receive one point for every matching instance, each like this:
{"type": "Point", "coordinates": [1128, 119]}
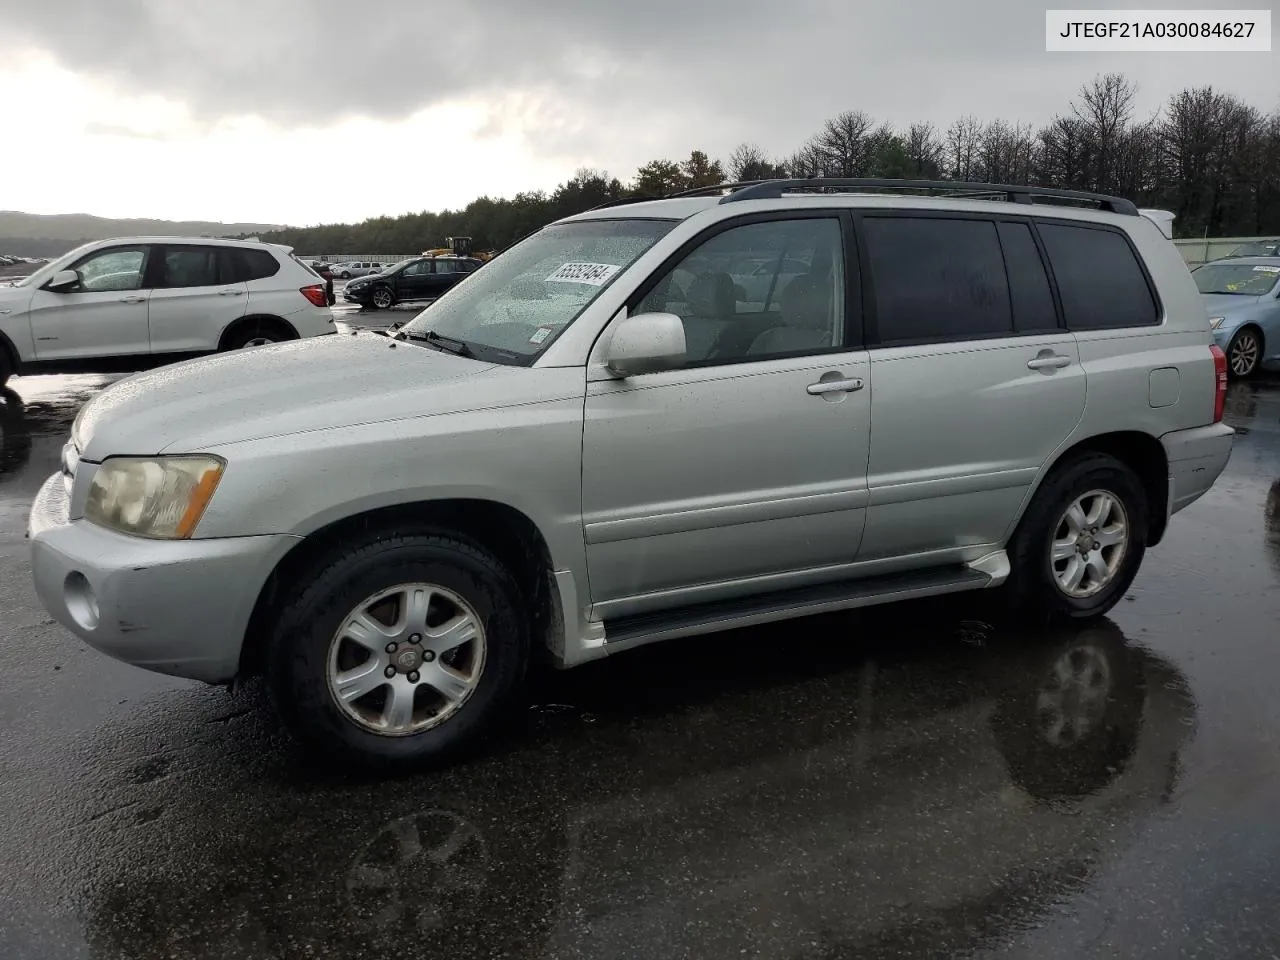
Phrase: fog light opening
{"type": "Point", "coordinates": [82, 602]}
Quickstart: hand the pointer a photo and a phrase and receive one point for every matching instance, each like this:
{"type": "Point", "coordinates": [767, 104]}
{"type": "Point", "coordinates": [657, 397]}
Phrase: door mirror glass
{"type": "Point", "coordinates": [63, 281]}
{"type": "Point", "coordinates": [646, 343]}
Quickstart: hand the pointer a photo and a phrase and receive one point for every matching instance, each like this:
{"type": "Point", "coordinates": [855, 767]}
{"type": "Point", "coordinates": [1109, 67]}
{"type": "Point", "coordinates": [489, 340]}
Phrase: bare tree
{"type": "Point", "coordinates": [749, 162]}
{"type": "Point", "coordinates": [962, 148]}
{"type": "Point", "coordinates": [847, 145]}
{"type": "Point", "coordinates": [1104, 109]}
{"type": "Point", "coordinates": [924, 151]}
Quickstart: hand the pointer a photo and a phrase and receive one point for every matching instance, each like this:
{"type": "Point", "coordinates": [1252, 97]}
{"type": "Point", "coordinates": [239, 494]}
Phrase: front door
{"type": "Point", "coordinates": [745, 470]}
{"type": "Point", "coordinates": [975, 384]}
{"type": "Point", "coordinates": [414, 282]}
{"type": "Point", "coordinates": [104, 315]}
{"type": "Point", "coordinates": [196, 297]}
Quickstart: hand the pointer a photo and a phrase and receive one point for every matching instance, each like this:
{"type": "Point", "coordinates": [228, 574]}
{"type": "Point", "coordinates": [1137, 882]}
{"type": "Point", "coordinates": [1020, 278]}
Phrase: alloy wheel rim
{"type": "Point", "coordinates": [1089, 544]}
{"type": "Point", "coordinates": [1244, 354]}
{"type": "Point", "coordinates": [257, 342]}
{"type": "Point", "coordinates": [382, 298]}
{"type": "Point", "coordinates": [406, 659]}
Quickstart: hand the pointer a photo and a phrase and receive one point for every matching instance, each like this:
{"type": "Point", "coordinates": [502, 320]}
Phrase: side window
{"type": "Point", "coordinates": [735, 311]}
{"type": "Point", "coordinates": [119, 268]}
{"type": "Point", "coordinates": [190, 267]}
{"type": "Point", "coordinates": [419, 269]}
{"type": "Point", "coordinates": [256, 264]}
{"type": "Point", "coordinates": [1033, 309]}
{"type": "Point", "coordinates": [937, 278]}
{"type": "Point", "coordinates": [1100, 281]}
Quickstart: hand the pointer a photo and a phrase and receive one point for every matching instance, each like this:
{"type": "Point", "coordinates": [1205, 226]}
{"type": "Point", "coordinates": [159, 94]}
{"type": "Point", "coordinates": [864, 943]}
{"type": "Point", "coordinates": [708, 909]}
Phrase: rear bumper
{"type": "Point", "coordinates": [178, 607]}
{"type": "Point", "coordinates": [1196, 458]}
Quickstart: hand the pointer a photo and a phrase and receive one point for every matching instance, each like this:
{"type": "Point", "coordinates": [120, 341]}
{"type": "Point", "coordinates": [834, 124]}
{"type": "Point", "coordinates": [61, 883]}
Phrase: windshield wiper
{"type": "Point", "coordinates": [441, 342]}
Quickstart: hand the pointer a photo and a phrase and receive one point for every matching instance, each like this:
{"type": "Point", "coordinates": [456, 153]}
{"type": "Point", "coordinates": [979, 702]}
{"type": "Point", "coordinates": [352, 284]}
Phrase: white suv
{"type": "Point", "coordinates": [357, 268]}
{"type": "Point", "coordinates": [146, 301]}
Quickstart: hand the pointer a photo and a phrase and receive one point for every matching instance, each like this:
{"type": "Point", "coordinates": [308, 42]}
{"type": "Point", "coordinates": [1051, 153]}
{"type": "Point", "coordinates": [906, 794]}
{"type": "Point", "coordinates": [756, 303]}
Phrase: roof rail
{"type": "Point", "coordinates": [774, 189]}
{"type": "Point", "coordinates": [621, 201]}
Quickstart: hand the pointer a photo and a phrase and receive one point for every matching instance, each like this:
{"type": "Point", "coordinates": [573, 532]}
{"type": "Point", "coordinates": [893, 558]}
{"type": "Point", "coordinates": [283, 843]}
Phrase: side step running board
{"type": "Point", "coordinates": [784, 604]}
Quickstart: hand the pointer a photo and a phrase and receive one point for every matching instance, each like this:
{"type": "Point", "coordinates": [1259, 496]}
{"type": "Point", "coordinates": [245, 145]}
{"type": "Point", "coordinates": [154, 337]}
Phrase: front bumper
{"type": "Point", "coordinates": [1196, 458]}
{"type": "Point", "coordinates": [178, 607]}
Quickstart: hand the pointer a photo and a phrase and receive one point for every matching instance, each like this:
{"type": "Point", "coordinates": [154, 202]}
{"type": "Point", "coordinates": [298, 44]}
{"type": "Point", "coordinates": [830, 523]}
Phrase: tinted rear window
{"type": "Point", "coordinates": [257, 264]}
{"type": "Point", "coordinates": [937, 279]}
{"type": "Point", "coordinates": [1100, 281]}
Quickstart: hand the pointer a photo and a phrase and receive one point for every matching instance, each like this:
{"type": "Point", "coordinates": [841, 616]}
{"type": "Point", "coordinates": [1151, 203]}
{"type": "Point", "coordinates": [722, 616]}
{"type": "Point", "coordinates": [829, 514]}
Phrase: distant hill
{"type": "Point", "coordinates": [40, 235]}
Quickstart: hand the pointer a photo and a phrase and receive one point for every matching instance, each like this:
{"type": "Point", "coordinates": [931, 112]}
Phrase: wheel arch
{"type": "Point", "coordinates": [505, 531]}
{"type": "Point", "coordinates": [1140, 452]}
{"type": "Point", "coordinates": [252, 319]}
{"type": "Point", "coordinates": [9, 352]}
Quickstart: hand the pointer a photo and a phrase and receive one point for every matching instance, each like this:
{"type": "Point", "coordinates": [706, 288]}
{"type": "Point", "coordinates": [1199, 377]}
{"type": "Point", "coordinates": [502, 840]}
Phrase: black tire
{"type": "Point", "coordinates": [298, 648]}
{"type": "Point", "coordinates": [387, 295]}
{"type": "Point", "coordinates": [1032, 586]}
{"type": "Point", "coordinates": [345, 275]}
{"type": "Point", "coordinates": [268, 333]}
{"type": "Point", "coordinates": [6, 369]}
{"type": "Point", "coordinates": [1239, 345]}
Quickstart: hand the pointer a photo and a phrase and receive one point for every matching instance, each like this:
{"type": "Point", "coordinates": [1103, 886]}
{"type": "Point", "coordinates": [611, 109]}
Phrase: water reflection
{"type": "Point", "coordinates": [1272, 512]}
{"type": "Point", "coordinates": [15, 436]}
{"type": "Point", "coordinates": [714, 801]}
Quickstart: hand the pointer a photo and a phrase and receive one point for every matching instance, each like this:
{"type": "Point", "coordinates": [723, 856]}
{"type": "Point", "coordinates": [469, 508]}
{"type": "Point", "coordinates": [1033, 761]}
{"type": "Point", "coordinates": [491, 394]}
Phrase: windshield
{"type": "Point", "coordinates": [1244, 279]}
{"type": "Point", "coordinates": [515, 307]}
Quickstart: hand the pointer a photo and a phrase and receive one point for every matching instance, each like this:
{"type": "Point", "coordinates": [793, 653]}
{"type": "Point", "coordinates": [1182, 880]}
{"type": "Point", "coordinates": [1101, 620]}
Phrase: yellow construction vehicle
{"type": "Point", "coordinates": [458, 247]}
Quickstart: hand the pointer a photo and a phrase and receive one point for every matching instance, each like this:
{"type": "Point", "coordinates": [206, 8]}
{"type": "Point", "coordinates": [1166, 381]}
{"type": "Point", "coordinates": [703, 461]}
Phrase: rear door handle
{"type": "Point", "coordinates": [847, 385]}
{"type": "Point", "coordinates": [1053, 362]}
{"type": "Point", "coordinates": [132, 299]}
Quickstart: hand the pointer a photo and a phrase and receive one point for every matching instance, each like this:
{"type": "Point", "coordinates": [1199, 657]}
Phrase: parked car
{"type": "Point", "coordinates": [145, 301]}
{"type": "Point", "coordinates": [1243, 300]}
{"type": "Point", "coordinates": [360, 268]}
{"type": "Point", "coordinates": [419, 278]}
{"type": "Point", "coordinates": [583, 459]}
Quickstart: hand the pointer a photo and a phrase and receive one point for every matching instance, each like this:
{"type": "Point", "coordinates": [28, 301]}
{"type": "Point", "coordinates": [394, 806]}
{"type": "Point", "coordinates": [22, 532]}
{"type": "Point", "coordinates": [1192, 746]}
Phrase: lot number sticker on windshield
{"type": "Point", "coordinates": [540, 334]}
{"type": "Point", "coordinates": [1266, 269]}
{"type": "Point", "coordinates": [592, 274]}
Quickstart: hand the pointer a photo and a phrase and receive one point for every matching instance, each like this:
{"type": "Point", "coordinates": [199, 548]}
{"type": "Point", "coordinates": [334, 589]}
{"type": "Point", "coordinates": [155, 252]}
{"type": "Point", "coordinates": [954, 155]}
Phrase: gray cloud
{"type": "Point", "coordinates": [614, 82]}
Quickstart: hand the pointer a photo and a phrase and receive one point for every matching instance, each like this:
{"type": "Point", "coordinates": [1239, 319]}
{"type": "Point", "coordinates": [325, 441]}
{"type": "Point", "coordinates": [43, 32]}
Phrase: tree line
{"type": "Point", "coordinates": [1208, 156]}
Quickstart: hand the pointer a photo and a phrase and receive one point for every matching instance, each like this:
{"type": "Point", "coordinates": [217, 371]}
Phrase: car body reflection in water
{"type": "Point", "coordinates": [767, 794]}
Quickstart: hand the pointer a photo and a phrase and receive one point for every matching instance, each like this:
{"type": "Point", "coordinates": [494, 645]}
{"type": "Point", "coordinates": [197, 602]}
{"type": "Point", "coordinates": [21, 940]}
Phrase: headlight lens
{"type": "Point", "coordinates": [1216, 322]}
{"type": "Point", "coordinates": [158, 497]}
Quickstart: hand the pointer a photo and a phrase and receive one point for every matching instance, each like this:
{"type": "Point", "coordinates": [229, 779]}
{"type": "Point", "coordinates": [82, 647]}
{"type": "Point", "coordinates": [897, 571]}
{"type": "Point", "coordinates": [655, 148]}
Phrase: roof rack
{"type": "Point", "coordinates": [695, 192]}
{"type": "Point", "coordinates": [621, 201]}
{"type": "Point", "coordinates": [774, 190]}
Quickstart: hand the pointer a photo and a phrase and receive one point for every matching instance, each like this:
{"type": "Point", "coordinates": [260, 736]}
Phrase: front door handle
{"type": "Point", "coordinates": [132, 299]}
{"type": "Point", "coordinates": [846, 385]}
{"type": "Point", "coordinates": [228, 293]}
{"type": "Point", "coordinates": [1054, 361]}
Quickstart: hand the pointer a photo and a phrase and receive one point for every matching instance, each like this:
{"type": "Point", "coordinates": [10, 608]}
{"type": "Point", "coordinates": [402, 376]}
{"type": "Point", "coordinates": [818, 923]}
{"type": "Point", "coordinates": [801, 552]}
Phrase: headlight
{"type": "Point", "coordinates": [1216, 322]}
{"type": "Point", "coordinates": [158, 497]}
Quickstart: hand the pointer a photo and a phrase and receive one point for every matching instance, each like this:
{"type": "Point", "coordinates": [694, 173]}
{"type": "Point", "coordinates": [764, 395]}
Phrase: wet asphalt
{"type": "Point", "coordinates": [911, 781]}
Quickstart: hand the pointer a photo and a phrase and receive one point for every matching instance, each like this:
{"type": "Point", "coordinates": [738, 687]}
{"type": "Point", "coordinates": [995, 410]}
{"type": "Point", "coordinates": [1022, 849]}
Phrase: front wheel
{"type": "Point", "coordinates": [345, 275]}
{"type": "Point", "coordinates": [1244, 353]}
{"type": "Point", "coordinates": [1081, 541]}
{"type": "Point", "coordinates": [400, 651]}
{"type": "Point", "coordinates": [383, 298]}
{"type": "Point", "coordinates": [6, 371]}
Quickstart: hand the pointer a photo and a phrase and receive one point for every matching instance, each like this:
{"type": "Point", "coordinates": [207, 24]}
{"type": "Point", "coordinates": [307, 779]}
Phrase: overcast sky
{"type": "Point", "coordinates": [308, 111]}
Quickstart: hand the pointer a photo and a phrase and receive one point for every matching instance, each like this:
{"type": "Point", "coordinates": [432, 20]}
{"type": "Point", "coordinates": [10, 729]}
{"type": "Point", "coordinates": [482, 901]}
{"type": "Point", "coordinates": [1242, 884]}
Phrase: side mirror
{"type": "Point", "coordinates": [646, 343]}
{"type": "Point", "coordinates": [63, 281]}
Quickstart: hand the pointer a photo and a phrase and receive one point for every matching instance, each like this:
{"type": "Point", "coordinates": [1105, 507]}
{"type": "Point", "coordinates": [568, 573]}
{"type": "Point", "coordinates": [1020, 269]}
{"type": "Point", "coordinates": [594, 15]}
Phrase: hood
{"type": "Point", "coordinates": [313, 384]}
{"type": "Point", "coordinates": [1227, 304]}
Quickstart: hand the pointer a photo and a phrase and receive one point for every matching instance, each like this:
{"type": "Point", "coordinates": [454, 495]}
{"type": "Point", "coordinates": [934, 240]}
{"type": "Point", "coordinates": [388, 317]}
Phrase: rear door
{"type": "Point", "coordinates": [104, 315]}
{"type": "Point", "coordinates": [974, 382]}
{"type": "Point", "coordinates": [197, 296]}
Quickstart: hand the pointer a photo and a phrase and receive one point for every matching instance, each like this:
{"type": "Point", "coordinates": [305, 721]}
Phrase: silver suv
{"type": "Point", "coordinates": [615, 434]}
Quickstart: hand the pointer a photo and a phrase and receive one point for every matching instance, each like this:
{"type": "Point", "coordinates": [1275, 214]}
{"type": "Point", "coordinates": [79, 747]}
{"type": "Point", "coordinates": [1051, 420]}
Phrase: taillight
{"type": "Point", "coordinates": [1220, 381]}
{"type": "Point", "coordinates": [315, 293]}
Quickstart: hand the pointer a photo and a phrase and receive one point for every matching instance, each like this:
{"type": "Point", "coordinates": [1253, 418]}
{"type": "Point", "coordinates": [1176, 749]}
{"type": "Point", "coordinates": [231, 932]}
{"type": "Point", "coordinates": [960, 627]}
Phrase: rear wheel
{"type": "Point", "coordinates": [1081, 541]}
{"type": "Point", "coordinates": [1244, 353]}
{"type": "Point", "coordinates": [400, 651]}
{"type": "Point", "coordinates": [255, 335]}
